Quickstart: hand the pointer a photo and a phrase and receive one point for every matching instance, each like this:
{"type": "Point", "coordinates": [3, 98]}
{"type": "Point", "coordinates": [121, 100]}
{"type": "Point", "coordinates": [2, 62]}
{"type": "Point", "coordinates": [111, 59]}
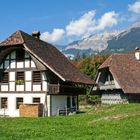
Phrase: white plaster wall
{"type": "Point", "coordinates": [4, 87]}
{"type": "Point", "coordinates": [27, 63]}
{"type": "Point", "coordinates": [36, 87]}
{"type": "Point", "coordinates": [137, 55]}
{"type": "Point", "coordinates": [19, 87]}
{"type": "Point", "coordinates": [32, 64]}
{"type": "Point", "coordinates": [28, 86]}
{"type": "Point", "coordinates": [11, 76]}
{"type": "Point", "coordinates": [12, 86]}
{"type": "Point", "coordinates": [20, 65]}
{"type": "Point", "coordinates": [48, 105]}
{"type": "Point", "coordinates": [27, 98]}
{"type": "Point", "coordinates": [44, 84]}
{"type": "Point", "coordinates": [28, 75]}
{"type": "Point", "coordinates": [58, 102]}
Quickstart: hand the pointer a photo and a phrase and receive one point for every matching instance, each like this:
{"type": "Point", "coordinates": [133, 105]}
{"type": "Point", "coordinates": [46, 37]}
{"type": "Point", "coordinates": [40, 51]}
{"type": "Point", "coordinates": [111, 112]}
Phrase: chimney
{"type": "Point", "coordinates": [137, 53]}
{"type": "Point", "coordinates": [36, 34]}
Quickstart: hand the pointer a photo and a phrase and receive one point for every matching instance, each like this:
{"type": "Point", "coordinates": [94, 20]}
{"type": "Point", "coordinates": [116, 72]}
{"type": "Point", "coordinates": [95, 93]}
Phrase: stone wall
{"type": "Point", "coordinates": [31, 110]}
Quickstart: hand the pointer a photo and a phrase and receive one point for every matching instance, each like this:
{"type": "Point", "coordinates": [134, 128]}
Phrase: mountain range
{"type": "Point", "coordinates": [107, 42]}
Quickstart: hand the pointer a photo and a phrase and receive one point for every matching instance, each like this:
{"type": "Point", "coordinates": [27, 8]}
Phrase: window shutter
{"type": "Point", "coordinates": [20, 76]}
{"type": "Point", "coordinates": [4, 77]}
{"type": "Point", "coordinates": [36, 76]}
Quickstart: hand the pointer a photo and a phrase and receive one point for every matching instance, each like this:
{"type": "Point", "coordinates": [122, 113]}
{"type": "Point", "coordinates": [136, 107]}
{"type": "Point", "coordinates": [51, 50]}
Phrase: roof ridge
{"type": "Point", "coordinates": [14, 39]}
{"type": "Point", "coordinates": [20, 33]}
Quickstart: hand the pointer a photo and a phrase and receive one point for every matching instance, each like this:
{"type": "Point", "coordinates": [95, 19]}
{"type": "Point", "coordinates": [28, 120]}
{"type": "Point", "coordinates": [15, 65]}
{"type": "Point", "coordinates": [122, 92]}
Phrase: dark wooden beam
{"type": "Point", "coordinates": [55, 89]}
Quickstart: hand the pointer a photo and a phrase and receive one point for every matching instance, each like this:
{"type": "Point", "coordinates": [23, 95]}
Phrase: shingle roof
{"type": "Point", "coordinates": [126, 70]}
{"type": "Point", "coordinates": [49, 55]}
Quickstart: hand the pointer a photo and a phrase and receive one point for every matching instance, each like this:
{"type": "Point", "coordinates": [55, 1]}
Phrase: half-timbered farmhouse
{"type": "Point", "coordinates": [33, 71]}
{"type": "Point", "coordinates": [118, 78]}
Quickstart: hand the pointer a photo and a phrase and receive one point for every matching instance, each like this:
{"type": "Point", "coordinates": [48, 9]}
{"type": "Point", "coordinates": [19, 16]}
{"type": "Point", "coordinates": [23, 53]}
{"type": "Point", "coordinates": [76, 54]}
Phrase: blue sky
{"type": "Point", "coordinates": [63, 21]}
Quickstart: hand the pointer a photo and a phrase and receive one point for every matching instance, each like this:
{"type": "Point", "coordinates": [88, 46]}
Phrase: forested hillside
{"type": "Point", "coordinates": [89, 65]}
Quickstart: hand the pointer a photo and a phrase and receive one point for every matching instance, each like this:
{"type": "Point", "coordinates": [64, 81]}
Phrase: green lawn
{"type": "Point", "coordinates": [117, 122]}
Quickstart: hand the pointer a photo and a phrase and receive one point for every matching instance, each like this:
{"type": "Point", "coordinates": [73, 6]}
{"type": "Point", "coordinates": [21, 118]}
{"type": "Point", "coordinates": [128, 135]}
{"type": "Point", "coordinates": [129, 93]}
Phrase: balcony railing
{"type": "Point", "coordinates": [65, 89]}
{"type": "Point", "coordinates": [108, 85]}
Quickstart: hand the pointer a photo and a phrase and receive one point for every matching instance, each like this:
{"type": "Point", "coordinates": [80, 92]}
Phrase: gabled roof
{"type": "Point", "coordinates": [49, 56]}
{"type": "Point", "coordinates": [126, 70]}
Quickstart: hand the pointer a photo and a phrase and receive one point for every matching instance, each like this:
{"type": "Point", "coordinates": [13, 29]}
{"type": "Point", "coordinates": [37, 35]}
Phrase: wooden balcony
{"type": "Point", "coordinates": [108, 85]}
{"type": "Point", "coordinates": [65, 89]}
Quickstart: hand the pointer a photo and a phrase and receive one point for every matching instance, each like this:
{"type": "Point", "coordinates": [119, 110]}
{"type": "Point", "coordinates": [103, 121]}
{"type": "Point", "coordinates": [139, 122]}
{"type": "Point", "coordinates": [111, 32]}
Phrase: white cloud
{"type": "Point", "coordinates": [87, 24]}
{"type": "Point", "coordinates": [107, 20]}
{"type": "Point", "coordinates": [53, 37]}
{"type": "Point", "coordinates": [135, 7]}
{"type": "Point", "coordinates": [82, 25]}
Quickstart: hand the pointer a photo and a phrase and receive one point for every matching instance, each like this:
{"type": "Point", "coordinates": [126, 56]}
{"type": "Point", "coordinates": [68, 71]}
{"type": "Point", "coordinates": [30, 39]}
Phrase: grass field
{"type": "Point", "coordinates": [117, 122]}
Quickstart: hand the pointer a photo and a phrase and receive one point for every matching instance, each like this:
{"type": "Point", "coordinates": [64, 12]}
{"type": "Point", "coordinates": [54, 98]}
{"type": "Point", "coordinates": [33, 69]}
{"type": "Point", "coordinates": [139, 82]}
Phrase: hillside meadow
{"type": "Point", "coordinates": [115, 122]}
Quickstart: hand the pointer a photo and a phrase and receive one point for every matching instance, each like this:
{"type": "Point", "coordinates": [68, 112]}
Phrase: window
{"type": "Point", "coordinates": [4, 103]}
{"type": "Point", "coordinates": [109, 77]}
{"type": "Point", "coordinates": [68, 102]}
{"type": "Point", "coordinates": [19, 101]}
{"type": "Point", "coordinates": [36, 100]}
{"type": "Point", "coordinates": [73, 101]}
{"type": "Point", "coordinates": [4, 77]}
{"type": "Point", "coordinates": [20, 55]}
{"type": "Point", "coordinates": [36, 77]}
{"type": "Point", "coordinates": [20, 76]}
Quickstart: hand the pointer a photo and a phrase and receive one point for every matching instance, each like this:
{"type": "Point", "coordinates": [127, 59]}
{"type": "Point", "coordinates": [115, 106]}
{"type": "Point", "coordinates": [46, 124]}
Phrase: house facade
{"type": "Point", "coordinates": [35, 72]}
{"type": "Point", "coordinates": [118, 79]}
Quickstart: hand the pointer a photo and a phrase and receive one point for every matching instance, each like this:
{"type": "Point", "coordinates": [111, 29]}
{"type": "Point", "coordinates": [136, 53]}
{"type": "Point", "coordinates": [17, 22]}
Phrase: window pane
{"type": "Point", "coordinates": [3, 103]}
{"type": "Point", "coordinates": [19, 101]}
{"type": "Point", "coordinates": [74, 101]}
{"type": "Point", "coordinates": [36, 100]}
{"type": "Point", "coordinates": [20, 55]}
{"type": "Point", "coordinates": [68, 102]}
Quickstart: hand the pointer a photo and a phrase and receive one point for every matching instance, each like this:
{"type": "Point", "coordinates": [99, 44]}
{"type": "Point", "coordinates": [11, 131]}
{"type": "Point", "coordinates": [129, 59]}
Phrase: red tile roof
{"type": "Point", "coordinates": [49, 56]}
{"type": "Point", "coordinates": [126, 70]}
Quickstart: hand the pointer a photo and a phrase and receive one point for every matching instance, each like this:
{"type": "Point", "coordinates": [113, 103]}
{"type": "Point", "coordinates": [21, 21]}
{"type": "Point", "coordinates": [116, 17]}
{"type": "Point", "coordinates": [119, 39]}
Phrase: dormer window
{"type": "Point", "coordinates": [20, 55]}
{"type": "Point", "coordinates": [109, 77]}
